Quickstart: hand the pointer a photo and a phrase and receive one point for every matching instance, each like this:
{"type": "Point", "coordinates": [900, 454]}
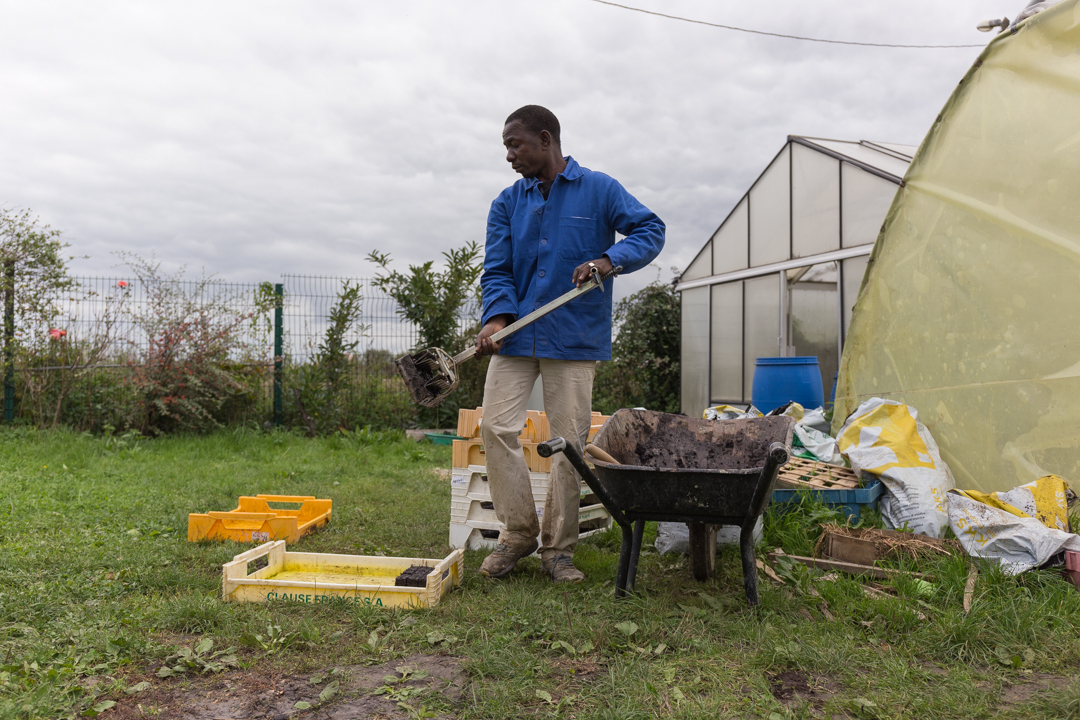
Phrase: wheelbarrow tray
{"type": "Point", "coordinates": [680, 469]}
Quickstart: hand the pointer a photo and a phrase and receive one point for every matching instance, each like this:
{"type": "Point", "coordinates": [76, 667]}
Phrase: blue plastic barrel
{"type": "Point", "coordinates": [778, 381]}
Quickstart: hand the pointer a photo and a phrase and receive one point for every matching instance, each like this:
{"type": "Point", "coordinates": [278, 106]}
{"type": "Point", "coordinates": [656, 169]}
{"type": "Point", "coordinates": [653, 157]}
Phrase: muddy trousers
{"type": "Point", "coordinates": [568, 406]}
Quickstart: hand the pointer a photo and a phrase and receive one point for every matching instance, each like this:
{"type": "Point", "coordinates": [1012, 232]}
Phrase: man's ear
{"type": "Point", "coordinates": [545, 139]}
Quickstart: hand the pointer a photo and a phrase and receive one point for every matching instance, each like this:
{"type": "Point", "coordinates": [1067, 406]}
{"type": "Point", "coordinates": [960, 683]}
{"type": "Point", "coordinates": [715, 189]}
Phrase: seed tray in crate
{"type": "Point", "coordinates": [849, 500]}
{"type": "Point", "coordinates": [326, 578]}
{"type": "Point", "coordinates": [254, 520]}
{"type": "Point", "coordinates": [814, 475]}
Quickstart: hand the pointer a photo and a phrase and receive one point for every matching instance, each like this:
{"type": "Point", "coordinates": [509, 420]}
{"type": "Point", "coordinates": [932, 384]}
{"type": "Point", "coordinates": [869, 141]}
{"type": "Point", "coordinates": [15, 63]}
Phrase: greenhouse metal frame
{"type": "Point", "coordinates": [811, 217]}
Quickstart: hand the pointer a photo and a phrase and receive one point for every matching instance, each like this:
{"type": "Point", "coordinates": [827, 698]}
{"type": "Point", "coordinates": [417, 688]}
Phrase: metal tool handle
{"type": "Point", "coordinates": [541, 312]}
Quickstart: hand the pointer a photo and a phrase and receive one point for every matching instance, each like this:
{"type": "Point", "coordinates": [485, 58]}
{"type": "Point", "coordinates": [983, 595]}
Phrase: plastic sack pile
{"type": "Point", "coordinates": [1022, 528]}
{"type": "Point", "coordinates": [885, 438]}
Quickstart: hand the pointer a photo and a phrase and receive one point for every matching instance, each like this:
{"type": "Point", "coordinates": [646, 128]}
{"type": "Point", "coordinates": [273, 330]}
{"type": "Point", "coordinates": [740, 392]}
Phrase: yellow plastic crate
{"type": "Point", "coordinates": [313, 578]}
{"type": "Point", "coordinates": [254, 520]}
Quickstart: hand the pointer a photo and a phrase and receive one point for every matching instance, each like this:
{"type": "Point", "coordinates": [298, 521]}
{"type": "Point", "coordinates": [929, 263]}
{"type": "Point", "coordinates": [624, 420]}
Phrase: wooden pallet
{"type": "Point", "coordinates": [813, 475]}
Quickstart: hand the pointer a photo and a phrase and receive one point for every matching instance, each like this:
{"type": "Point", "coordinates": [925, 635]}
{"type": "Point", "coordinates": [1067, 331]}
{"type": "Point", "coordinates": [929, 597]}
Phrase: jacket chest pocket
{"type": "Point", "coordinates": [579, 239]}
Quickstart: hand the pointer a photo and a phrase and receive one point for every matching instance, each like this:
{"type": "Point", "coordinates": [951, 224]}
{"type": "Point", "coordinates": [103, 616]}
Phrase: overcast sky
{"type": "Point", "coordinates": [261, 138]}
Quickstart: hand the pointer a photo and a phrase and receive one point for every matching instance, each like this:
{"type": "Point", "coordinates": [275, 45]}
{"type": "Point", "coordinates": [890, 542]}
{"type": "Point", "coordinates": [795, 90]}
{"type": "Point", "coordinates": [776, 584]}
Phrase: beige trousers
{"type": "Point", "coordinates": [568, 405]}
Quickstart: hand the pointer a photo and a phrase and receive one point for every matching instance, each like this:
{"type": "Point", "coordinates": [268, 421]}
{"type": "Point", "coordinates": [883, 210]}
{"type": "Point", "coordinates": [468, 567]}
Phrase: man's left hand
{"type": "Point", "coordinates": [583, 272]}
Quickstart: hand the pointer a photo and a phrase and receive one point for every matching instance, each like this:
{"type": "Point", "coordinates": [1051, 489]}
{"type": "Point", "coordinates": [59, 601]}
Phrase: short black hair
{"type": "Point", "coordinates": [536, 119]}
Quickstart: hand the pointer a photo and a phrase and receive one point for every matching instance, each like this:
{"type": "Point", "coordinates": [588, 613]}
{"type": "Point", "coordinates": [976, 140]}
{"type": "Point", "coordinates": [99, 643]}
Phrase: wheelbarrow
{"type": "Point", "coordinates": [673, 468]}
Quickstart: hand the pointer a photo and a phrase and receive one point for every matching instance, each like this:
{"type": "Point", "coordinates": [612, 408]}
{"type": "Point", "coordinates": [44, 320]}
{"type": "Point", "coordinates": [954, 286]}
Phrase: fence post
{"type": "Point", "coordinates": [9, 341]}
{"type": "Point", "coordinates": [279, 334]}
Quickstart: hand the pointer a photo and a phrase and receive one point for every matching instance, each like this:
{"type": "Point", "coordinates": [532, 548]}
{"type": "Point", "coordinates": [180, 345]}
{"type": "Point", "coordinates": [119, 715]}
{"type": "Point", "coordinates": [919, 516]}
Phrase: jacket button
{"type": "Point", "coordinates": [541, 273]}
{"type": "Point", "coordinates": [543, 241]}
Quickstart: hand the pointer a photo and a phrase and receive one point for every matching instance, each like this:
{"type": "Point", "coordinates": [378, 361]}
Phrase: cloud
{"type": "Point", "coordinates": [261, 138]}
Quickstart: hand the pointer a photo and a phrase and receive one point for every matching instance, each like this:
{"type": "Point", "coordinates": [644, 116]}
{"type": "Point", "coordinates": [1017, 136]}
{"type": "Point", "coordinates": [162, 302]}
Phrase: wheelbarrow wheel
{"type": "Point", "coordinates": [702, 550]}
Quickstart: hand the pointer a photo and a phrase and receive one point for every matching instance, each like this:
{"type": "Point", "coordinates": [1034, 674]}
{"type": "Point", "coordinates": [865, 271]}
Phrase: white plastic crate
{"type": "Point", "coordinates": [472, 482]}
{"type": "Point", "coordinates": [465, 509]}
{"type": "Point", "coordinates": [485, 536]}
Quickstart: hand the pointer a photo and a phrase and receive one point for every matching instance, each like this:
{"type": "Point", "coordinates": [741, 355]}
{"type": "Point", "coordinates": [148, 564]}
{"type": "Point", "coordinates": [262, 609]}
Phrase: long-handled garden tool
{"type": "Point", "coordinates": [432, 374]}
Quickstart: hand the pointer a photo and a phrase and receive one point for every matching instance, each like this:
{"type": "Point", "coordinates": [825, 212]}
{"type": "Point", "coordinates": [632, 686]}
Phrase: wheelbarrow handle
{"type": "Point", "coordinates": [559, 445]}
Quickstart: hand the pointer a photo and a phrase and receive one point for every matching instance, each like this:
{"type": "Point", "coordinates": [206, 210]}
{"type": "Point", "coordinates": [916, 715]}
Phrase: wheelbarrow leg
{"type": "Point", "coordinates": [702, 550]}
{"type": "Point", "coordinates": [749, 562]}
{"type": "Point", "coordinates": [624, 561]}
{"type": "Point", "coordinates": [635, 551]}
{"type": "Point", "coordinates": [778, 456]}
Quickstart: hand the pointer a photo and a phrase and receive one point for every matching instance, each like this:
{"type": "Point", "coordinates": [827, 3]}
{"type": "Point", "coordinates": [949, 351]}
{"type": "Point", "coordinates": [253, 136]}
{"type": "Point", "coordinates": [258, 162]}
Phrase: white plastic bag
{"type": "Point", "coordinates": [1021, 528]}
{"type": "Point", "coordinates": [885, 438]}
{"type": "Point", "coordinates": [819, 444]}
{"type": "Point", "coordinates": [730, 412]}
{"type": "Point", "coordinates": [674, 537]}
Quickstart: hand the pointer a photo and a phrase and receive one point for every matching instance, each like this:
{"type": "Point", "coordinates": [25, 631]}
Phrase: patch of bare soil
{"type": "Point", "coordinates": [1021, 693]}
{"type": "Point", "coordinates": [793, 688]}
{"type": "Point", "coordinates": [254, 695]}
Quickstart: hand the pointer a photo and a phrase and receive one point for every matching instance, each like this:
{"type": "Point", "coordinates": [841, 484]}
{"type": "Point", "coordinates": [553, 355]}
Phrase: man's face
{"type": "Point", "coordinates": [526, 152]}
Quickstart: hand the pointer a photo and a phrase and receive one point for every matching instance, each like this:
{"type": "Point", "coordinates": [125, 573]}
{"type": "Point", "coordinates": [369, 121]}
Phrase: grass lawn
{"type": "Point", "coordinates": [99, 587]}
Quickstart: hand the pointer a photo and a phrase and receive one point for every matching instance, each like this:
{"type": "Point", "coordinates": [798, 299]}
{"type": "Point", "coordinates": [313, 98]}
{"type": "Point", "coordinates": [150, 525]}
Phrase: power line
{"type": "Point", "coordinates": [779, 35]}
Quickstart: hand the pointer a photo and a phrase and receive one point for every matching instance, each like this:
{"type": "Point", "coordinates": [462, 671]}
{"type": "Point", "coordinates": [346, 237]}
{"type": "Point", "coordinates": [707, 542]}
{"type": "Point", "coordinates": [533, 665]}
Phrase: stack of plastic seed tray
{"type": "Point", "coordinates": [473, 522]}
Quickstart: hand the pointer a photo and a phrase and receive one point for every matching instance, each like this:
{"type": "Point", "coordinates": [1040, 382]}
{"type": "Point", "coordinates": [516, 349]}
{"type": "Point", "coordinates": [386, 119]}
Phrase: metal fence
{"type": "Point", "coordinates": [279, 328]}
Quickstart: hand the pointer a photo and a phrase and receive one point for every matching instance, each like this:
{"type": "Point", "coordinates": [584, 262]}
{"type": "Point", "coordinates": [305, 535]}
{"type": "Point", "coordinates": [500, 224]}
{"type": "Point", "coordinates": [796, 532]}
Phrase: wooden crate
{"type": "Point", "coordinates": [254, 520]}
{"type": "Point", "coordinates": [471, 452]}
{"type": "Point", "coordinates": [598, 420]}
{"type": "Point", "coordinates": [323, 578]}
{"type": "Point", "coordinates": [535, 429]}
{"type": "Point", "coordinates": [468, 422]}
{"type": "Point", "coordinates": [813, 475]}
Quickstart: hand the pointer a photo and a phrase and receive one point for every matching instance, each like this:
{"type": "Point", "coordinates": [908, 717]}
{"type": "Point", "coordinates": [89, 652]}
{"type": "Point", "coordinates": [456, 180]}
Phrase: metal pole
{"type": "Point", "coordinates": [279, 371]}
{"type": "Point", "coordinates": [9, 341]}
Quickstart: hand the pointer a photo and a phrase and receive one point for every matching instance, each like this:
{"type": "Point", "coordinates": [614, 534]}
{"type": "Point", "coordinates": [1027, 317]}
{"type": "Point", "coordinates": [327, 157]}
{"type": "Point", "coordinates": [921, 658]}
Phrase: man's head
{"type": "Point", "coordinates": [531, 138]}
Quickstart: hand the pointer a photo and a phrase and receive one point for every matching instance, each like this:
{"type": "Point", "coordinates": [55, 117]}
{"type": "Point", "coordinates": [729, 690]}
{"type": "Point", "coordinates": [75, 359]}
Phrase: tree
{"type": "Point", "coordinates": [323, 381]}
{"type": "Point", "coordinates": [435, 303]}
{"type": "Point", "coordinates": [47, 349]}
{"type": "Point", "coordinates": [645, 356]}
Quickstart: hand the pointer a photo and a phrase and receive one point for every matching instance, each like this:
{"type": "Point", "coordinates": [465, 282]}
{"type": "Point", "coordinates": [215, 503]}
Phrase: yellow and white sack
{"type": "Point", "coordinates": [1021, 528]}
{"type": "Point", "coordinates": [885, 438]}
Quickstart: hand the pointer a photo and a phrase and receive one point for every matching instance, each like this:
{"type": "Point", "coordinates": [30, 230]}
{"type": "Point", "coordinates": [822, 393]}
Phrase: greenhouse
{"type": "Point", "coordinates": [779, 276]}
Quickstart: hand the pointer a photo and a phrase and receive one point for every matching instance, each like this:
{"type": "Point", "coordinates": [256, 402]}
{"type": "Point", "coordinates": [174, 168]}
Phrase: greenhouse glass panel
{"type": "Point", "coordinates": [730, 241]}
{"type": "Point", "coordinates": [865, 199]}
{"type": "Point", "coordinates": [814, 318]}
{"type": "Point", "coordinates": [770, 213]}
{"type": "Point", "coordinates": [727, 340]}
{"type": "Point", "coordinates": [695, 351]}
{"type": "Point", "coordinates": [701, 266]}
{"type": "Point", "coordinates": [815, 202]}
{"type": "Point", "coordinates": [853, 271]}
{"type": "Point", "coordinates": [761, 318]}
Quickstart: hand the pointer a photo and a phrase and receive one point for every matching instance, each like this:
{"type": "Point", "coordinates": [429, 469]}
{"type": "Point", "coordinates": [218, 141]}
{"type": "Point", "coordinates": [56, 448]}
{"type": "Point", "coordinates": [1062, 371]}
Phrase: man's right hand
{"type": "Point", "coordinates": [484, 344]}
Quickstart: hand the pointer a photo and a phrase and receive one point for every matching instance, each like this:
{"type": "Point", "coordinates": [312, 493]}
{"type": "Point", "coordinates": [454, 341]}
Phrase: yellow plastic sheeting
{"type": "Point", "coordinates": [970, 307]}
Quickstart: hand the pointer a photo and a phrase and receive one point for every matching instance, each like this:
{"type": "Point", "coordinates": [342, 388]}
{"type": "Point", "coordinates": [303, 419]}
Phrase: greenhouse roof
{"type": "Point", "coordinates": [890, 158]}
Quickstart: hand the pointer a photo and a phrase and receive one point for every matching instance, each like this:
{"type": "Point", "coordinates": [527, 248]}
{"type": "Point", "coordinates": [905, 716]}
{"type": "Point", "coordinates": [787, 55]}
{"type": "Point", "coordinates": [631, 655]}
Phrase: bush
{"type": "Point", "coordinates": [197, 353]}
{"type": "Point", "coordinates": [645, 356]}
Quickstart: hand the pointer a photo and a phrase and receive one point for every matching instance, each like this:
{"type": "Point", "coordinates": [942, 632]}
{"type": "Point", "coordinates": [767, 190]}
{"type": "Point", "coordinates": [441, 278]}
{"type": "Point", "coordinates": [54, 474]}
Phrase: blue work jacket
{"type": "Point", "coordinates": [534, 245]}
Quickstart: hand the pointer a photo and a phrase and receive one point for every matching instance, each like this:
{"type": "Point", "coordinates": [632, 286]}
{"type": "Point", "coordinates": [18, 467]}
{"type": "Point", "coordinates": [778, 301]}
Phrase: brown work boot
{"type": "Point", "coordinates": [503, 558]}
{"type": "Point", "coordinates": [561, 569]}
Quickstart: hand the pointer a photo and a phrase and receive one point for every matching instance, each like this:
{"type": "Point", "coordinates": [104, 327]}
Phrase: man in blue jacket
{"type": "Point", "coordinates": [544, 234]}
